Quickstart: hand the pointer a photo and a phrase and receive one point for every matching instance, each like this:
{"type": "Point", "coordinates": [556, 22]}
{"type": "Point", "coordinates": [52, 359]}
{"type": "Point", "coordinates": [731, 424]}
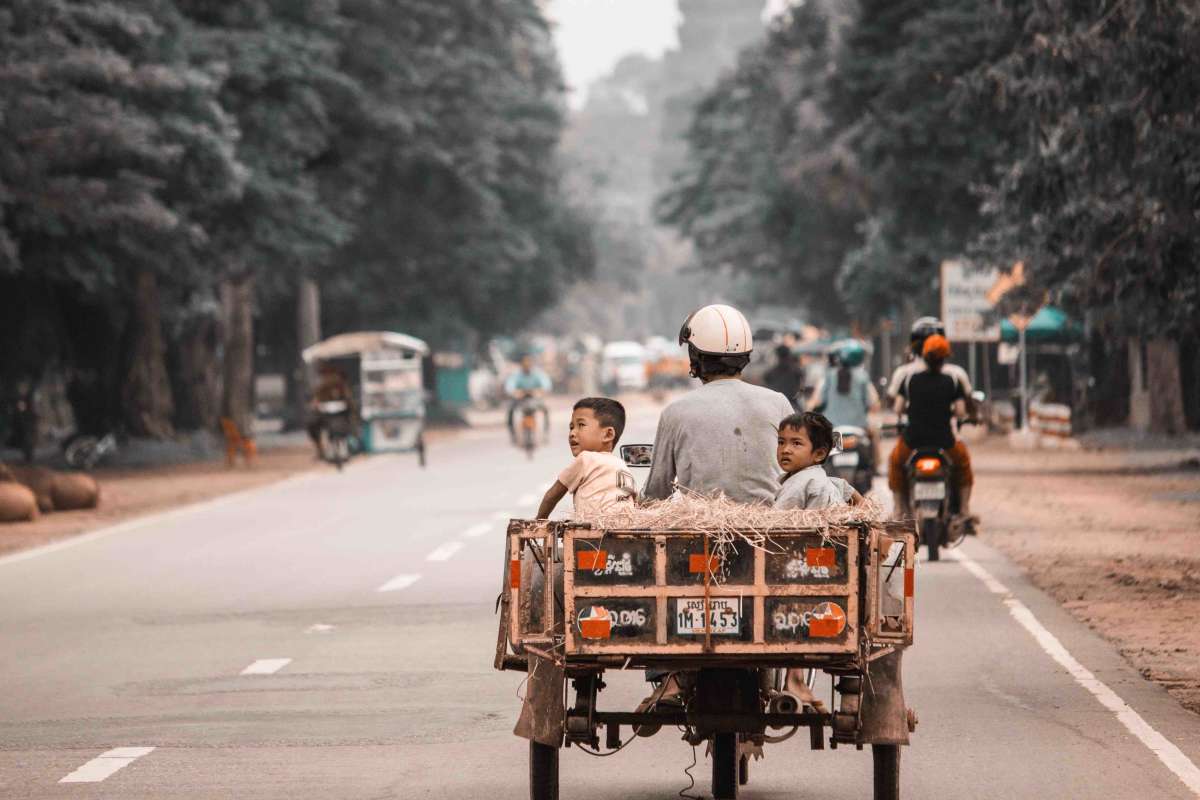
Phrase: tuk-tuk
{"type": "Point", "coordinates": [383, 370]}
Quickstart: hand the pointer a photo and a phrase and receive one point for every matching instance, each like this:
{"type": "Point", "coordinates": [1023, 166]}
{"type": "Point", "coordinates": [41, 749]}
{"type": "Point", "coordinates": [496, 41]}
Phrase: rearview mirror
{"type": "Point", "coordinates": [637, 455]}
{"type": "Point", "coordinates": [838, 444]}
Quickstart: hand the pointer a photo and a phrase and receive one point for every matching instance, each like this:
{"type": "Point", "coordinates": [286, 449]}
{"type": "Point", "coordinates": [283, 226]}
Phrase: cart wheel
{"type": "Point", "coordinates": [887, 771]}
{"type": "Point", "coordinates": [725, 766]}
{"type": "Point", "coordinates": [743, 770]}
{"type": "Point", "coordinates": [543, 772]}
{"type": "Point", "coordinates": [931, 532]}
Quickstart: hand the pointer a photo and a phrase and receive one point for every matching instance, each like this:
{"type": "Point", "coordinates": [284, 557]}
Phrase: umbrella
{"type": "Point", "coordinates": [1049, 325]}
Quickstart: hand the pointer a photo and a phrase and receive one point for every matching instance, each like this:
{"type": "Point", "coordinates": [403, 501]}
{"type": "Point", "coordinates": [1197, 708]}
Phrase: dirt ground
{"type": "Point", "coordinates": [1115, 537]}
{"type": "Point", "coordinates": [125, 494]}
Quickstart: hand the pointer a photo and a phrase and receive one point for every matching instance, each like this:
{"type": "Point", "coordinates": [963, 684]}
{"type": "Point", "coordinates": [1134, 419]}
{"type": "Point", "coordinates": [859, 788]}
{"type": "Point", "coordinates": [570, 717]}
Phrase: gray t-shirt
{"type": "Point", "coordinates": [719, 438]}
{"type": "Point", "coordinates": [811, 488]}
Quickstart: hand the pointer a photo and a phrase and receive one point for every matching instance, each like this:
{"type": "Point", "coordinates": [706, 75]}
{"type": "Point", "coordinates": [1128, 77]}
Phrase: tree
{"type": "Point", "coordinates": [111, 147]}
{"type": "Point", "coordinates": [1100, 197]}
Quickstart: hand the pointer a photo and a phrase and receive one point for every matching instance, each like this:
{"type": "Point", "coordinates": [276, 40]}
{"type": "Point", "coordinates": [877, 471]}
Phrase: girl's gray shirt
{"type": "Point", "coordinates": [811, 488]}
{"type": "Point", "coordinates": [720, 437]}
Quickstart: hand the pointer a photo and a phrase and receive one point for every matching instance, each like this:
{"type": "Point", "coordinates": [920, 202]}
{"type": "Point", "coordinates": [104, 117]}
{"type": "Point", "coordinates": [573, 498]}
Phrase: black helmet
{"type": "Point", "coordinates": [923, 328]}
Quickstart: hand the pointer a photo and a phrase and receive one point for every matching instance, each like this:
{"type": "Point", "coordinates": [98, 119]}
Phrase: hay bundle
{"type": "Point", "coordinates": [72, 491]}
{"type": "Point", "coordinates": [17, 503]}
{"type": "Point", "coordinates": [38, 480]}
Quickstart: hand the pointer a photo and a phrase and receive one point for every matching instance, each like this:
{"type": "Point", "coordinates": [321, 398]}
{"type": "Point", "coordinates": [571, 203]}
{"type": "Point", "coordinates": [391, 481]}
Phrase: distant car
{"type": "Point", "coordinates": [623, 367]}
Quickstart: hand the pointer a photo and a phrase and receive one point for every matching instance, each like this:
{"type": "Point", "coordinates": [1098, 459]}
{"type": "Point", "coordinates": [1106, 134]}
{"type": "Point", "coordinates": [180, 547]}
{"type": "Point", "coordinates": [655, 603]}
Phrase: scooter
{"type": "Point", "coordinates": [855, 464]}
{"type": "Point", "coordinates": [336, 434]}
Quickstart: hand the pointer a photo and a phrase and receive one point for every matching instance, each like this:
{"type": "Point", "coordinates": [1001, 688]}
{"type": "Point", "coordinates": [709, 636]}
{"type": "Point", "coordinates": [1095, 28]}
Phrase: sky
{"type": "Point", "coordinates": [593, 35]}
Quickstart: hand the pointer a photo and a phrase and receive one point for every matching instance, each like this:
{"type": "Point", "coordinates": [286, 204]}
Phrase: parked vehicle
{"type": "Point", "coordinates": [623, 367]}
{"type": "Point", "coordinates": [855, 463]}
{"type": "Point", "coordinates": [384, 372]}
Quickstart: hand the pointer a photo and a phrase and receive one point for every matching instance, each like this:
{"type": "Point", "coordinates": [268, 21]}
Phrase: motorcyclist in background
{"type": "Point", "coordinates": [331, 387]}
{"type": "Point", "coordinates": [786, 377]}
{"type": "Point", "coordinates": [846, 394]}
{"type": "Point", "coordinates": [527, 382]}
{"type": "Point", "coordinates": [922, 329]}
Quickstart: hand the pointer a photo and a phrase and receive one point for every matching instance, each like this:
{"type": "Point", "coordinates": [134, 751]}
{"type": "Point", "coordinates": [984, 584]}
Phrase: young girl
{"type": "Point", "coordinates": [803, 445]}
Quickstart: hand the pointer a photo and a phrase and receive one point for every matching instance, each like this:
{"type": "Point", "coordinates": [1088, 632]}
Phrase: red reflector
{"type": "Point", "coordinates": [696, 563]}
{"type": "Point", "coordinates": [514, 573]}
{"type": "Point", "coordinates": [820, 557]}
{"type": "Point", "coordinates": [828, 620]}
{"type": "Point", "coordinates": [928, 465]}
{"type": "Point", "coordinates": [909, 582]}
{"type": "Point", "coordinates": [591, 559]}
{"type": "Point", "coordinates": [595, 623]}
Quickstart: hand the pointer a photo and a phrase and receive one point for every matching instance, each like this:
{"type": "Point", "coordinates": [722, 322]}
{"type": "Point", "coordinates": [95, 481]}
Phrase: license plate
{"type": "Point", "coordinates": [725, 615]}
{"type": "Point", "coordinates": [845, 460]}
{"type": "Point", "coordinates": [928, 490]}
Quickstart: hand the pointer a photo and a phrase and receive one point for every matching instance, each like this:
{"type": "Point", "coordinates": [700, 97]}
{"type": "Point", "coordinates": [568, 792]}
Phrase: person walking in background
{"type": "Point", "coordinates": [786, 377]}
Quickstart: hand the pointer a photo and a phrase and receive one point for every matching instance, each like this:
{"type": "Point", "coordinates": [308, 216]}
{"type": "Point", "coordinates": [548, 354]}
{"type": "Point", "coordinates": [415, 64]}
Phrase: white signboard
{"type": "Point", "coordinates": [965, 305]}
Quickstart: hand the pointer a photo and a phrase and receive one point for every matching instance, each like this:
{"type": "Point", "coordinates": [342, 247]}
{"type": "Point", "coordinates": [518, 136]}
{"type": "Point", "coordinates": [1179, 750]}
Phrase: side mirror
{"type": "Point", "coordinates": [978, 396]}
{"type": "Point", "coordinates": [838, 443]}
{"type": "Point", "coordinates": [637, 455]}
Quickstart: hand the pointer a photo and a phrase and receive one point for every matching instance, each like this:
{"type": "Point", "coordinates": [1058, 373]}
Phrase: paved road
{"type": "Point", "coordinates": [138, 638]}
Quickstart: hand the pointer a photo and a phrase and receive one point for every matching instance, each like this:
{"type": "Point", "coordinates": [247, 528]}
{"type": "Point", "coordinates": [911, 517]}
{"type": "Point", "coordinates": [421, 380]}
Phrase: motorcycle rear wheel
{"type": "Point", "coordinates": [931, 532]}
{"type": "Point", "coordinates": [543, 772]}
{"type": "Point", "coordinates": [726, 766]}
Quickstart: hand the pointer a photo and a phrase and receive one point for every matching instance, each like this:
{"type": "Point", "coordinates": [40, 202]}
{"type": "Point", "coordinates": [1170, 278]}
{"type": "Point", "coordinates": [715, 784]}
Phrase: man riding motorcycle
{"type": "Point", "coordinates": [932, 398]}
{"type": "Point", "coordinates": [527, 382]}
{"type": "Point", "coordinates": [331, 387]}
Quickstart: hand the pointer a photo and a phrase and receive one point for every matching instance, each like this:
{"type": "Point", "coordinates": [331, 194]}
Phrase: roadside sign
{"type": "Point", "coordinates": [966, 306]}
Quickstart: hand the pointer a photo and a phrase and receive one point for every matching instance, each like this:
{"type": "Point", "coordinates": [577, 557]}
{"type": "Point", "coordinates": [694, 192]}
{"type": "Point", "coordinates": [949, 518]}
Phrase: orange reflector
{"type": "Point", "coordinates": [849, 442]}
{"type": "Point", "coordinates": [514, 573]}
{"type": "Point", "coordinates": [591, 559]}
{"type": "Point", "coordinates": [595, 623]}
{"type": "Point", "coordinates": [928, 466]}
{"type": "Point", "coordinates": [696, 563]}
{"type": "Point", "coordinates": [820, 557]}
{"type": "Point", "coordinates": [909, 582]}
{"type": "Point", "coordinates": [828, 620]}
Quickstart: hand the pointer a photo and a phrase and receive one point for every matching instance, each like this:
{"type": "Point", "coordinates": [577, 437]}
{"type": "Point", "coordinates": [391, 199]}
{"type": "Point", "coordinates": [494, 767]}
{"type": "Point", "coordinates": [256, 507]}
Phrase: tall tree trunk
{"type": "Point", "coordinates": [198, 374]}
{"type": "Point", "coordinates": [237, 306]}
{"type": "Point", "coordinates": [146, 401]}
{"type": "Point", "coordinates": [1166, 387]}
{"type": "Point", "coordinates": [1155, 386]}
{"type": "Point", "coordinates": [308, 332]}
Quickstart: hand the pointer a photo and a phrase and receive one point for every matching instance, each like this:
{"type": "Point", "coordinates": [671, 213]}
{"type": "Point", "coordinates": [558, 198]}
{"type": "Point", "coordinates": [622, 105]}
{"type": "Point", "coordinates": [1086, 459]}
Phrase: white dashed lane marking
{"type": "Point", "coordinates": [319, 627]}
{"type": "Point", "coordinates": [266, 666]}
{"type": "Point", "coordinates": [399, 582]}
{"type": "Point", "coordinates": [476, 531]}
{"type": "Point", "coordinates": [445, 551]}
{"type": "Point", "coordinates": [106, 764]}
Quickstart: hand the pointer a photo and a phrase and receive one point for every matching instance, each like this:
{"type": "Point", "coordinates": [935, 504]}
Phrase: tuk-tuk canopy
{"type": "Point", "coordinates": [1049, 325]}
{"type": "Point", "coordinates": [353, 344]}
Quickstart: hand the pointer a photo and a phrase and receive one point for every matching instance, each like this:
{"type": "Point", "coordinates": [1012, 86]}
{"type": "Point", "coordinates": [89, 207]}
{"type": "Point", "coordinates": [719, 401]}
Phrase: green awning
{"type": "Point", "coordinates": [1049, 325]}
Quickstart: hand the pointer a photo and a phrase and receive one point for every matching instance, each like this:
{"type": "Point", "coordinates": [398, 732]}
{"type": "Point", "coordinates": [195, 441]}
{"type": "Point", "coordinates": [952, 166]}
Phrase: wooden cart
{"type": "Point", "coordinates": [728, 613]}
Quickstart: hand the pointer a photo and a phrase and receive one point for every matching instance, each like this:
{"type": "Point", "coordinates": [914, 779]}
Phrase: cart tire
{"type": "Point", "coordinates": [931, 532]}
{"type": "Point", "coordinates": [543, 772]}
{"type": "Point", "coordinates": [725, 766]}
{"type": "Point", "coordinates": [887, 771]}
{"type": "Point", "coordinates": [743, 770]}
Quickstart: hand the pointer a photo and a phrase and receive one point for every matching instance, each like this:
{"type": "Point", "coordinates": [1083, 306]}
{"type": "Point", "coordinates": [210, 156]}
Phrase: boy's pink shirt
{"type": "Point", "coordinates": [596, 481]}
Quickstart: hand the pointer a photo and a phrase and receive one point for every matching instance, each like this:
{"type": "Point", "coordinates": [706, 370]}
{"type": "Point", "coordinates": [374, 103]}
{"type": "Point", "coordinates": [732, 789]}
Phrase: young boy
{"type": "Point", "coordinates": [596, 478]}
{"type": "Point", "coordinates": [803, 445]}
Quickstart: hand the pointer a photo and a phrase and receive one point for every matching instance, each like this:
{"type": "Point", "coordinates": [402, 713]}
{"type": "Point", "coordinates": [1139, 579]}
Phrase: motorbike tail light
{"type": "Point", "coordinates": [849, 442]}
{"type": "Point", "coordinates": [928, 466]}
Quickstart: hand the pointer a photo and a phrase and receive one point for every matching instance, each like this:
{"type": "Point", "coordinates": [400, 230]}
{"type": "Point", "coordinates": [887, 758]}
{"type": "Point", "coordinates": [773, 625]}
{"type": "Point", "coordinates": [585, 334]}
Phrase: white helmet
{"type": "Point", "coordinates": [717, 330]}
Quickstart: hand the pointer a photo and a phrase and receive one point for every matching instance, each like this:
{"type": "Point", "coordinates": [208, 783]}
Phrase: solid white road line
{"type": "Point", "coordinates": [106, 764]}
{"type": "Point", "coordinates": [266, 666]}
{"type": "Point", "coordinates": [445, 551]}
{"type": "Point", "coordinates": [319, 627]}
{"type": "Point", "coordinates": [399, 582]}
{"type": "Point", "coordinates": [1170, 755]}
{"type": "Point", "coordinates": [476, 531]}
